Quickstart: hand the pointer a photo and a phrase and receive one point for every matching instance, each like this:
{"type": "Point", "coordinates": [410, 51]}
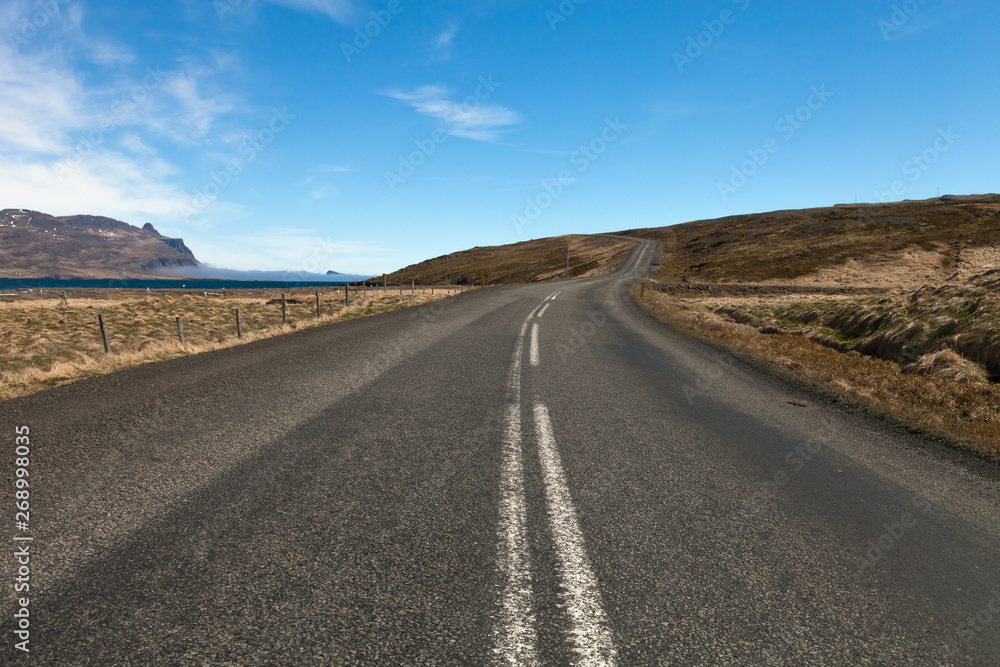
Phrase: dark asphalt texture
{"type": "Point", "coordinates": [332, 497]}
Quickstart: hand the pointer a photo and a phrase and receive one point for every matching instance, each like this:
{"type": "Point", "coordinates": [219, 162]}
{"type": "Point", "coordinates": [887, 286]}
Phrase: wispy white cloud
{"type": "Point", "coordinates": [471, 119]}
{"type": "Point", "coordinates": [109, 183]}
{"type": "Point", "coordinates": [318, 181]}
{"type": "Point", "coordinates": [105, 53]}
{"type": "Point", "coordinates": [197, 111]}
{"type": "Point", "coordinates": [69, 141]}
{"type": "Point", "coordinates": [135, 144]}
{"type": "Point", "coordinates": [338, 10]}
{"type": "Point", "coordinates": [279, 249]}
{"type": "Point", "coordinates": [39, 104]}
{"type": "Point", "coordinates": [902, 24]}
{"type": "Point", "coordinates": [324, 191]}
{"type": "Point", "coordinates": [333, 169]}
{"type": "Point", "coordinates": [445, 38]}
{"type": "Point", "coordinates": [442, 45]}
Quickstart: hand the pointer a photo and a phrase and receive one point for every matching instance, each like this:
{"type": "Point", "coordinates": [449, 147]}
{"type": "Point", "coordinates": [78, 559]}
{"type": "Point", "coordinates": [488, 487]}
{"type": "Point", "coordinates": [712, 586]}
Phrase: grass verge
{"type": "Point", "coordinates": [966, 414]}
{"type": "Point", "coordinates": [45, 343]}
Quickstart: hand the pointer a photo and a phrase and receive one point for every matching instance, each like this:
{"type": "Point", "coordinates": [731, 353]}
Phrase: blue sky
{"type": "Point", "coordinates": [278, 135]}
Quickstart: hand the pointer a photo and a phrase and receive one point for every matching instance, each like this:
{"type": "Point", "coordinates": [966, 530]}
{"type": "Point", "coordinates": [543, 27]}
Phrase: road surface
{"type": "Point", "coordinates": [537, 474]}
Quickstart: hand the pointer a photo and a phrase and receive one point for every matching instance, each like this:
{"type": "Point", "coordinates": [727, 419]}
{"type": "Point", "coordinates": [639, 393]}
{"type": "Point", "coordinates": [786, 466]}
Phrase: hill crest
{"type": "Point", "coordinates": [895, 244]}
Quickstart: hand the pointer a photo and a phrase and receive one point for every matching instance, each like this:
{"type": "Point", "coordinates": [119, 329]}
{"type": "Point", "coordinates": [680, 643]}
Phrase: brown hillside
{"type": "Point", "coordinates": [897, 244]}
{"type": "Point", "coordinates": [525, 262]}
{"type": "Point", "coordinates": [36, 245]}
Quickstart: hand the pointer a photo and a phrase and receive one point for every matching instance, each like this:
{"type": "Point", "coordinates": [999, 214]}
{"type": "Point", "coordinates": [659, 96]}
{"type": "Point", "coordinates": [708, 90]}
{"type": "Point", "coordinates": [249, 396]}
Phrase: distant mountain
{"type": "Point", "coordinates": [37, 245]}
{"type": "Point", "coordinates": [334, 273]}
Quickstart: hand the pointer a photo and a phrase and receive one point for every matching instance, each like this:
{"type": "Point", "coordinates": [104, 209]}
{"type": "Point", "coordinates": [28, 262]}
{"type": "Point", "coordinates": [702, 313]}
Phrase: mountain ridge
{"type": "Point", "coordinates": [38, 245]}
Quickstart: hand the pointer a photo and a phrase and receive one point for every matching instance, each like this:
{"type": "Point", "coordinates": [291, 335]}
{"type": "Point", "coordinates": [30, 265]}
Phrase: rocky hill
{"type": "Point", "coordinates": [37, 245]}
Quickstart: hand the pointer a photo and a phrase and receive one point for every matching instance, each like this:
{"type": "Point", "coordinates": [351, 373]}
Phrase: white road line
{"type": "Point", "coordinates": [579, 592]}
{"type": "Point", "coordinates": [514, 379]}
{"type": "Point", "coordinates": [542, 311]}
{"type": "Point", "coordinates": [533, 353]}
{"type": "Point", "coordinates": [515, 635]}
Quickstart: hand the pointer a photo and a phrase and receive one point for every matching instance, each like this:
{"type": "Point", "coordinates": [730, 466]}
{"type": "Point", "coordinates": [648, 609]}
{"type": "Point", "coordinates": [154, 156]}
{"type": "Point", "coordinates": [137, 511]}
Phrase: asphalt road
{"type": "Point", "coordinates": [537, 474]}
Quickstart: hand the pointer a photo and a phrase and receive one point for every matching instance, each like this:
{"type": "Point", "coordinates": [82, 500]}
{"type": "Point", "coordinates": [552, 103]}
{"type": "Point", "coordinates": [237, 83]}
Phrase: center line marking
{"type": "Point", "coordinates": [533, 352]}
{"type": "Point", "coordinates": [515, 635]}
{"type": "Point", "coordinates": [591, 639]}
{"type": "Point", "coordinates": [542, 311]}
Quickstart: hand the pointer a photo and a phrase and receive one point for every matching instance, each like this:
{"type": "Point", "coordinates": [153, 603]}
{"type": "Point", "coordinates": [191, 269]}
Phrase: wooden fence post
{"type": "Point", "coordinates": [239, 327]}
{"type": "Point", "coordinates": [317, 304]}
{"type": "Point", "coordinates": [104, 333]}
{"type": "Point", "coordinates": [284, 318]}
{"type": "Point", "coordinates": [347, 296]}
{"type": "Point", "coordinates": [413, 287]}
{"type": "Point", "coordinates": [180, 331]}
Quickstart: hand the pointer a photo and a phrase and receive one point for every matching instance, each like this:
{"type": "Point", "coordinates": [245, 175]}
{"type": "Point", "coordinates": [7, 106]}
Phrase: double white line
{"type": "Point", "coordinates": [516, 632]}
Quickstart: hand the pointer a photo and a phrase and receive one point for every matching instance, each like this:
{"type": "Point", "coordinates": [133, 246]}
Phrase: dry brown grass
{"type": "Point", "coordinates": [962, 412]}
{"type": "Point", "coordinates": [525, 262]}
{"type": "Point", "coordinates": [948, 364]}
{"type": "Point", "coordinates": [904, 326]}
{"type": "Point", "coordinates": [902, 244]}
{"type": "Point", "coordinates": [45, 343]}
